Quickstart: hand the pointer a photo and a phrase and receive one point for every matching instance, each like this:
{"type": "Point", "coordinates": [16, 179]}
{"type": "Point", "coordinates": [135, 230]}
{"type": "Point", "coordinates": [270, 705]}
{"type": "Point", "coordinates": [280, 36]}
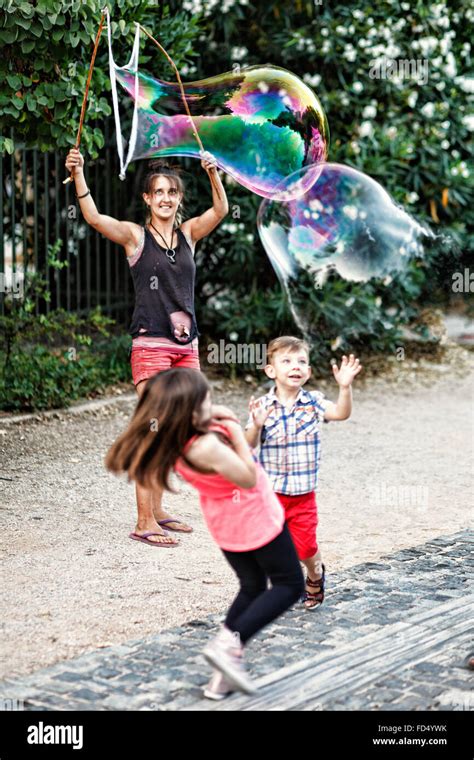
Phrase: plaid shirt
{"type": "Point", "coordinates": [290, 443]}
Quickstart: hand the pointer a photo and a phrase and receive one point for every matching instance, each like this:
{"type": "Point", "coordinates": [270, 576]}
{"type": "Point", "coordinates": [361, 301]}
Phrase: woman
{"type": "Point", "coordinates": [163, 328]}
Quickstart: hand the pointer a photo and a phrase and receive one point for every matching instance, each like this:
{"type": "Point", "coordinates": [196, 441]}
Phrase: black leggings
{"type": "Point", "coordinates": [256, 605]}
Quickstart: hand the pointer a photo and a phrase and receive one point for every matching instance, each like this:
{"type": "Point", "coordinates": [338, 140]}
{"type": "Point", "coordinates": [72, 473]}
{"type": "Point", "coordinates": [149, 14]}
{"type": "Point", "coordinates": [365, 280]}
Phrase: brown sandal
{"type": "Point", "coordinates": [313, 599]}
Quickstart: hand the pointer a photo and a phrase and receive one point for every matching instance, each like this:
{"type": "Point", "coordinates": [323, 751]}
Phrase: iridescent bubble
{"type": "Point", "coordinates": [345, 222]}
{"type": "Point", "coordinates": [262, 123]}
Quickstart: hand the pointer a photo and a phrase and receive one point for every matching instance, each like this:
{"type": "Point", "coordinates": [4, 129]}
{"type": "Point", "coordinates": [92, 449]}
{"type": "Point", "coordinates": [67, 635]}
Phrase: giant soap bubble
{"type": "Point", "coordinates": [345, 222]}
{"type": "Point", "coordinates": [262, 123]}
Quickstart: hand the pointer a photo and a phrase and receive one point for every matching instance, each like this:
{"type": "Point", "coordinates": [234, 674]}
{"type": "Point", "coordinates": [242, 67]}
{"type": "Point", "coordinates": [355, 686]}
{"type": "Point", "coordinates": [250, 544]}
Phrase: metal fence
{"type": "Point", "coordinates": [38, 210]}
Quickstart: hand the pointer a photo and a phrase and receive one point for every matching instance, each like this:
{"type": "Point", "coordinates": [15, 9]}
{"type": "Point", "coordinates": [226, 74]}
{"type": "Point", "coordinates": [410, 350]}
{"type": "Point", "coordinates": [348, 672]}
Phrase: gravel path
{"type": "Point", "coordinates": [396, 474]}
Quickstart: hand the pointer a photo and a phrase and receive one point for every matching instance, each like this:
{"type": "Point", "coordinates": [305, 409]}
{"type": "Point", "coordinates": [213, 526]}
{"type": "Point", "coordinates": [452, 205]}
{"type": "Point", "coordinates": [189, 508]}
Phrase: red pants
{"type": "Point", "coordinates": [147, 362]}
{"type": "Point", "coordinates": [302, 518]}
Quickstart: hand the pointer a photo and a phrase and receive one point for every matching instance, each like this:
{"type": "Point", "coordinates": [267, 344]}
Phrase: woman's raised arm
{"type": "Point", "coordinates": [200, 226]}
{"type": "Point", "coordinates": [124, 233]}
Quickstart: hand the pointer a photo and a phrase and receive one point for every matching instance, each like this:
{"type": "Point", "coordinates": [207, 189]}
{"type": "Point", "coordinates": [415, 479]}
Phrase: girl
{"type": "Point", "coordinates": [163, 328]}
{"type": "Point", "coordinates": [176, 427]}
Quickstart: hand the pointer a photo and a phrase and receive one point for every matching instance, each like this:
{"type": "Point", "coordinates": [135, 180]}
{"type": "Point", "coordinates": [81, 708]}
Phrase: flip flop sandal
{"type": "Point", "coordinates": [317, 597]}
{"type": "Point", "coordinates": [144, 539]}
{"type": "Point", "coordinates": [174, 520]}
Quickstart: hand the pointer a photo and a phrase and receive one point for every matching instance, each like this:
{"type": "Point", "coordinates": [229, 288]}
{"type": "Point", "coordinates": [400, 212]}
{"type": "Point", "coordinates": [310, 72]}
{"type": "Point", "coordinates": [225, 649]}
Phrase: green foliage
{"type": "Point", "coordinates": [48, 360]}
{"type": "Point", "coordinates": [42, 93]}
{"type": "Point", "coordinates": [40, 377]}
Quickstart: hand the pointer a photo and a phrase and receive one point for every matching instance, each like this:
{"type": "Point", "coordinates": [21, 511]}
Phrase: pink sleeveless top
{"type": "Point", "coordinates": [239, 519]}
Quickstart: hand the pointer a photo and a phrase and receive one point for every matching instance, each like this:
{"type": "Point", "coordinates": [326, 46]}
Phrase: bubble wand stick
{"type": "Point", "coordinates": [86, 92]}
{"type": "Point", "coordinates": [195, 133]}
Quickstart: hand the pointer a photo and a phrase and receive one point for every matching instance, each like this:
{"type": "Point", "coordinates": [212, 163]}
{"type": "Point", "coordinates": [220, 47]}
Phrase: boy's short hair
{"type": "Point", "coordinates": [288, 342]}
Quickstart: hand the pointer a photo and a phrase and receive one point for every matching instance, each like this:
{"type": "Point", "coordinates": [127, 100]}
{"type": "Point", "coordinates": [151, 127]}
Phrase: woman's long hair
{"type": "Point", "coordinates": [160, 427]}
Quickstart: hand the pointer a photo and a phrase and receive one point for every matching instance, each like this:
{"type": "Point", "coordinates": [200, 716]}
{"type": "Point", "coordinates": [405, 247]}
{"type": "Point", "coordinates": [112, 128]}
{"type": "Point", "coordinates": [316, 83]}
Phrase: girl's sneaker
{"type": "Point", "coordinates": [225, 653]}
{"type": "Point", "coordinates": [218, 687]}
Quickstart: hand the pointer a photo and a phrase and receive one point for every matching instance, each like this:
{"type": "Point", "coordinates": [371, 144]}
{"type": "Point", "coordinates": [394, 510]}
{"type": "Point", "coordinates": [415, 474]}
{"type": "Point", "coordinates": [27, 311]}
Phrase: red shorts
{"type": "Point", "coordinates": [302, 518]}
{"type": "Point", "coordinates": [147, 362]}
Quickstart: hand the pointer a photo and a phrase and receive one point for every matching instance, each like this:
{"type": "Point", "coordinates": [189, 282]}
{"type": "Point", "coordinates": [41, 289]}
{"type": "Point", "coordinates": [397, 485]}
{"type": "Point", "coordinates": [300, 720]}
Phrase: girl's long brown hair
{"type": "Point", "coordinates": [160, 427]}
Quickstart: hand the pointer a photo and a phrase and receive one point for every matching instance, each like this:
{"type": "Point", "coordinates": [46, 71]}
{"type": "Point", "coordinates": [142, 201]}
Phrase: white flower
{"type": "Point", "coordinates": [312, 79]}
{"type": "Point", "coordinates": [350, 301]}
{"type": "Point", "coordinates": [455, 153]}
{"type": "Point", "coordinates": [428, 110]}
{"type": "Point", "coordinates": [445, 144]}
{"type": "Point", "coordinates": [369, 112]}
{"type": "Point", "coordinates": [391, 132]}
{"type": "Point", "coordinates": [355, 147]}
{"type": "Point", "coordinates": [445, 44]}
{"type": "Point", "coordinates": [336, 343]}
{"type": "Point", "coordinates": [366, 129]}
{"type": "Point", "coordinates": [466, 84]}
{"type": "Point", "coordinates": [324, 32]}
{"type": "Point", "coordinates": [427, 45]}
{"type": "Point", "coordinates": [341, 30]}
{"type": "Point", "coordinates": [468, 122]}
{"type": "Point", "coordinates": [400, 24]}
{"type": "Point", "coordinates": [438, 9]}
{"type": "Point", "coordinates": [237, 53]}
{"type": "Point", "coordinates": [450, 69]}
{"type": "Point", "coordinates": [357, 87]}
{"type": "Point", "coordinates": [378, 302]}
{"type": "Point", "coordinates": [413, 197]}
{"type": "Point", "coordinates": [412, 98]}
{"type": "Point", "coordinates": [233, 336]}
{"type": "Point", "coordinates": [350, 53]}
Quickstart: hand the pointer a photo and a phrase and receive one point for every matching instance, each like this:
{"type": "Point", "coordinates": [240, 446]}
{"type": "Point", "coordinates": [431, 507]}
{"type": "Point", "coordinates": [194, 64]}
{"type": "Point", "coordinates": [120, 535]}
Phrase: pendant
{"type": "Point", "coordinates": [171, 255]}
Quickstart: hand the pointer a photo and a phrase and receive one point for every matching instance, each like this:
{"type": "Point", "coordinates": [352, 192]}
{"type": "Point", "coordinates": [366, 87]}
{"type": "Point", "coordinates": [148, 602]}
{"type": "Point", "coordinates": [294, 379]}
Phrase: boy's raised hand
{"type": "Point", "coordinates": [345, 374]}
{"type": "Point", "coordinates": [258, 412]}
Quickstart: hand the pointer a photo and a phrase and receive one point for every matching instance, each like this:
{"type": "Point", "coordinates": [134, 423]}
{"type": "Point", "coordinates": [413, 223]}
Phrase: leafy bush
{"type": "Point", "coordinates": [48, 360]}
{"type": "Point", "coordinates": [42, 94]}
{"type": "Point", "coordinates": [40, 377]}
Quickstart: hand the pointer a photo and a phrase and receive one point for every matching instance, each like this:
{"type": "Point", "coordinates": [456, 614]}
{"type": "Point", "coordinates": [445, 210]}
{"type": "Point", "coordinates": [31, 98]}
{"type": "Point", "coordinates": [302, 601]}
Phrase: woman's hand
{"type": "Point", "coordinates": [74, 161]}
{"type": "Point", "coordinates": [208, 161]}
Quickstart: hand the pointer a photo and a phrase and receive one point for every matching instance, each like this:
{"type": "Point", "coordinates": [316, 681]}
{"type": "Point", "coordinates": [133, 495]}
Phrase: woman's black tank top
{"type": "Point", "coordinates": [164, 292]}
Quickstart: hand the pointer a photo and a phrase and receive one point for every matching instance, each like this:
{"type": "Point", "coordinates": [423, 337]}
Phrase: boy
{"type": "Point", "coordinates": [285, 424]}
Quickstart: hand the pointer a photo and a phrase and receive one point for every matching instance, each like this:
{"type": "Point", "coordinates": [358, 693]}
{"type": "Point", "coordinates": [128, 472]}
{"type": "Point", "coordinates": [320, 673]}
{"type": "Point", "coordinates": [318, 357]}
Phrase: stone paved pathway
{"type": "Point", "coordinates": [391, 635]}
